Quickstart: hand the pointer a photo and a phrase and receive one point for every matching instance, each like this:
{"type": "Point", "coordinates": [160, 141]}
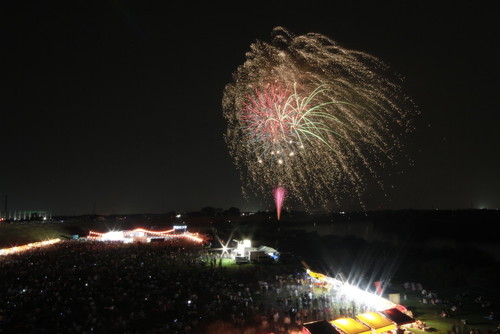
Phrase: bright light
{"type": "Point", "coordinates": [180, 227]}
{"type": "Point", "coordinates": [113, 236]}
{"type": "Point", "coordinates": [375, 301]}
{"type": "Point", "coordinates": [368, 316]}
{"type": "Point", "coordinates": [342, 321]}
{"type": "Point", "coordinates": [361, 296]}
{"type": "Point", "coordinates": [247, 243]}
{"type": "Point", "coordinates": [178, 216]}
{"type": "Point", "coordinates": [240, 249]}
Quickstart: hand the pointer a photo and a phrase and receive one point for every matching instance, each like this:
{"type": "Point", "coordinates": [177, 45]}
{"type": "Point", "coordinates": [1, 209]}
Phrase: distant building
{"type": "Point", "coordinates": [25, 215]}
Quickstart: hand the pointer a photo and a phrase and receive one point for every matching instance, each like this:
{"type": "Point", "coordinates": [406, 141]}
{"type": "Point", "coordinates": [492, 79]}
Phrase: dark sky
{"type": "Point", "coordinates": [118, 103]}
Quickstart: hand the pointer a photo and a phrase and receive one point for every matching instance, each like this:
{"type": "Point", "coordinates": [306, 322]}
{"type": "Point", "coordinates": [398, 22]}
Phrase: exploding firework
{"type": "Point", "coordinates": [280, 120]}
{"type": "Point", "coordinates": [305, 113]}
{"type": "Point", "coordinates": [279, 197]}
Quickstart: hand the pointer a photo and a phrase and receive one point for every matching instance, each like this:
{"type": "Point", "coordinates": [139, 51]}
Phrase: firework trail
{"type": "Point", "coordinates": [279, 197]}
{"type": "Point", "coordinates": [305, 113]}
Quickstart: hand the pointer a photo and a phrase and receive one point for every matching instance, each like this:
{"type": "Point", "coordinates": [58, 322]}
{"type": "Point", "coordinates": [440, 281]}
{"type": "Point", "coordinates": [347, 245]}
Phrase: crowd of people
{"type": "Point", "coordinates": [168, 287]}
{"type": "Point", "coordinates": [162, 287]}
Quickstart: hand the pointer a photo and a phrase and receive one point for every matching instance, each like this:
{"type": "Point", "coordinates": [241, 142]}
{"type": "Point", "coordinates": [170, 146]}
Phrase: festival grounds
{"type": "Point", "coordinates": [81, 286]}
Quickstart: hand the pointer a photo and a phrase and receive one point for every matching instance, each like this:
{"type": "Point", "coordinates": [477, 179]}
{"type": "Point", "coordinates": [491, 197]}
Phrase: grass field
{"type": "Point", "coordinates": [20, 234]}
{"type": "Point", "coordinates": [470, 311]}
{"type": "Point", "coordinates": [15, 235]}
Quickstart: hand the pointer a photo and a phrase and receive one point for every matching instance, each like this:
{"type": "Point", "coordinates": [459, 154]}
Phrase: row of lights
{"type": "Point", "coordinates": [122, 235]}
{"type": "Point", "coordinates": [23, 248]}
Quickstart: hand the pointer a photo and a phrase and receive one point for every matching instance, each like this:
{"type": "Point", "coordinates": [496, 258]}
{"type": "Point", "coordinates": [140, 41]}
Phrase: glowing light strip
{"type": "Point", "coordinates": [167, 234]}
{"type": "Point", "coordinates": [150, 232]}
{"type": "Point", "coordinates": [23, 248]}
{"type": "Point", "coordinates": [192, 237]}
{"type": "Point", "coordinates": [99, 234]}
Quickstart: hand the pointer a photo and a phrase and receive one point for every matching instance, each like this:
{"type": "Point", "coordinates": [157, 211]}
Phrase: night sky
{"type": "Point", "coordinates": [118, 104]}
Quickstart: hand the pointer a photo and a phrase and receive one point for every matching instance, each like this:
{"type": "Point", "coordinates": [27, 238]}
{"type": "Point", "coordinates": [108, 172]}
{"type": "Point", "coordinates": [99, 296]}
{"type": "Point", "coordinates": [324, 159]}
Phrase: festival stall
{"type": "Point", "coordinates": [398, 317]}
{"type": "Point", "coordinates": [319, 327]}
{"type": "Point", "coordinates": [377, 322]}
{"type": "Point", "coordinates": [350, 326]}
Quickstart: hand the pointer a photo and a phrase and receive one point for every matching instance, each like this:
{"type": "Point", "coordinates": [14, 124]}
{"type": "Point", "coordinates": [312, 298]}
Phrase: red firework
{"type": "Point", "coordinates": [268, 115]}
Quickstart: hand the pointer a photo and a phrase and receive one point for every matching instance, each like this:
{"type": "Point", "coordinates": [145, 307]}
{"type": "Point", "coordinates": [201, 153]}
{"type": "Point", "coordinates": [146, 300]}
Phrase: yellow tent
{"type": "Point", "coordinates": [376, 321]}
{"type": "Point", "coordinates": [351, 326]}
{"type": "Point", "coordinates": [317, 275]}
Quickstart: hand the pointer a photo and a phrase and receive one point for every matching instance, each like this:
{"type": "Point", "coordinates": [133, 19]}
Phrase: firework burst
{"type": "Point", "coordinates": [279, 119]}
{"type": "Point", "coordinates": [307, 114]}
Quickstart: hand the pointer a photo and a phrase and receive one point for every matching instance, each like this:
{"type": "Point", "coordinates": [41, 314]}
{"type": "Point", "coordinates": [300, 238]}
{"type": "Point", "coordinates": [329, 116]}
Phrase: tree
{"type": "Point", "coordinates": [232, 211]}
{"type": "Point", "coordinates": [208, 211]}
